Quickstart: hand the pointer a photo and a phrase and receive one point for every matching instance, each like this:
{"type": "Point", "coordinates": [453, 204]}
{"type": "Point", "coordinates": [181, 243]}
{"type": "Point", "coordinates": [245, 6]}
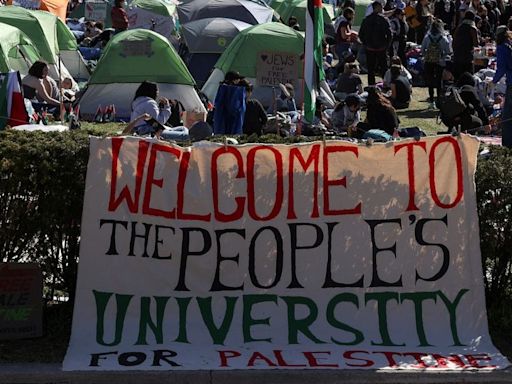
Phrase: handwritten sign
{"type": "Point", "coordinates": [277, 67]}
{"type": "Point", "coordinates": [20, 301]}
{"type": "Point", "coordinates": [310, 256]}
{"type": "Point", "coordinates": [95, 10]}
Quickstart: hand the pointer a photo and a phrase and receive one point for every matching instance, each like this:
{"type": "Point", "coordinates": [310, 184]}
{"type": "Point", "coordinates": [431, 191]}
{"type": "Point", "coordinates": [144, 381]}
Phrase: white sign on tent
{"type": "Point", "coordinates": [310, 256]}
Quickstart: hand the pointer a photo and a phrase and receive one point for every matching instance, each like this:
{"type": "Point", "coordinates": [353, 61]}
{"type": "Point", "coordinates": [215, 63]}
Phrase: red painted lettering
{"type": "Point", "coordinates": [225, 355]}
{"type": "Point", "coordinates": [349, 355]}
{"type": "Point", "coordinates": [458, 166]}
{"type": "Point", "coordinates": [131, 201]}
{"type": "Point", "coordinates": [251, 198]}
{"type": "Point", "coordinates": [343, 181]}
{"type": "Point", "coordinates": [150, 181]}
{"type": "Point", "coordinates": [314, 157]}
{"type": "Point", "coordinates": [313, 362]}
{"type": "Point", "coordinates": [410, 165]}
{"type": "Point", "coordinates": [240, 201]}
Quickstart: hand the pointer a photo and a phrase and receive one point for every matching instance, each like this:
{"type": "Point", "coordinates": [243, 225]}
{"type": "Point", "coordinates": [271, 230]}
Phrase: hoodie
{"type": "Point", "coordinates": [144, 104]}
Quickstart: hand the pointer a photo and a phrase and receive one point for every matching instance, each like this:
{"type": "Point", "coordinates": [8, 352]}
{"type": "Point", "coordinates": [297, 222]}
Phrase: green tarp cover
{"type": "Point", "coordinates": [47, 31]}
{"type": "Point", "coordinates": [137, 55]}
{"type": "Point", "coordinates": [241, 55]}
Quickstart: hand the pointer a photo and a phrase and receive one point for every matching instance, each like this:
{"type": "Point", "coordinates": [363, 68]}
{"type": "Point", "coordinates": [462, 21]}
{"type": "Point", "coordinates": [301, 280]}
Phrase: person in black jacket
{"type": "Point", "coordinates": [465, 40]}
{"type": "Point", "coordinates": [475, 115]}
{"type": "Point", "coordinates": [375, 34]}
{"type": "Point", "coordinates": [255, 116]}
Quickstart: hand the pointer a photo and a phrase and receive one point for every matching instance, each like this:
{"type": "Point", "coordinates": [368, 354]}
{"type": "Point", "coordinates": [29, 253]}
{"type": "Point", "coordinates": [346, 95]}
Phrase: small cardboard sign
{"type": "Point", "coordinates": [21, 307]}
{"type": "Point", "coordinates": [277, 67]}
{"type": "Point", "coordinates": [95, 10]}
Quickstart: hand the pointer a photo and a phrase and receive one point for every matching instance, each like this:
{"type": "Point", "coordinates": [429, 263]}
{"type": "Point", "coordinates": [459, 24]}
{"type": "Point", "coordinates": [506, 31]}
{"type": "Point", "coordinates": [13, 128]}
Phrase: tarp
{"type": "Point", "coordinates": [211, 35]}
{"type": "Point", "coordinates": [156, 15]}
{"type": "Point", "coordinates": [130, 58]}
{"type": "Point", "coordinates": [248, 11]}
{"type": "Point", "coordinates": [254, 50]}
{"type": "Point", "coordinates": [17, 51]}
{"type": "Point", "coordinates": [308, 256]}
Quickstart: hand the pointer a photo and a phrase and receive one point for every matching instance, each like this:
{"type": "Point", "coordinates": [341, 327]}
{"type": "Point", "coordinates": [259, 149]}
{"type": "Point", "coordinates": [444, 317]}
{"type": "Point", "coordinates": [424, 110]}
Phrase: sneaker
{"type": "Point", "coordinates": [432, 105]}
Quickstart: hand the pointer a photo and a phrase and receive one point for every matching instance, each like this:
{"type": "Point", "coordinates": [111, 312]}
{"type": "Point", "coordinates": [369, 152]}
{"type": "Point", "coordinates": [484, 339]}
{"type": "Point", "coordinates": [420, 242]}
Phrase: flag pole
{"type": "Point", "coordinates": [313, 69]}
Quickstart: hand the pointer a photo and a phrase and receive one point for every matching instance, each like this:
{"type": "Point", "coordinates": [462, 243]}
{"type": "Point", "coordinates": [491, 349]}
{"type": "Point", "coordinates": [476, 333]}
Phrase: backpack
{"type": "Point", "coordinates": [451, 106]}
{"type": "Point", "coordinates": [433, 52]}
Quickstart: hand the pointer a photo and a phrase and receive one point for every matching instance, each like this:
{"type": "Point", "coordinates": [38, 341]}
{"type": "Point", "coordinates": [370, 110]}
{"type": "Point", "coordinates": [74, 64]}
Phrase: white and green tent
{"type": "Point", "coordinates": [155, 15]}
{"type": "Point", "coordinates": [17, 51]}
{"type": "Point", "coordinates": [51, 37]}
{"type": "Point", "coordinates": [130, 58]}
{"type": "Point", "coordinates": [251, 53]}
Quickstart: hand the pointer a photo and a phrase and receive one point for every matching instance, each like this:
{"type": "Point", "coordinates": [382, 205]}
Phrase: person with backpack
{"type": "Point", "coordinates": [436, 50]}
{"type": "Point", "coordinates": [375, 34]}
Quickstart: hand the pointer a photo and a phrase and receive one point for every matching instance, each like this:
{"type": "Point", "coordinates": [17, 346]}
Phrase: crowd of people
{"type": "Point", "coordinates": [445, 37]}
{"type": "Point", "coordinates": [400, 45]}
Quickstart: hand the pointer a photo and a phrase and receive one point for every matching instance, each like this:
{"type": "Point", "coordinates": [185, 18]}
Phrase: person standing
{"type": "Point", "coordinates": [119, 17]}
{"type": "Point", "coordinates": [435, 49]}
{"type": "Point", "coordinates": [376, 36]}
{"type": "Point", "coordinates": [465, 39]}
{"type": "Point", "coordinates": [504, 68]}
{"type": "Point", "coordinates": [424, 15]}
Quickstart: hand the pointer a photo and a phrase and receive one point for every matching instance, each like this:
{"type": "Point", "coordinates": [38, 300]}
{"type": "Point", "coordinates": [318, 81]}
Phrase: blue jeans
{"type": "Point", "coordinates": [506, 126]}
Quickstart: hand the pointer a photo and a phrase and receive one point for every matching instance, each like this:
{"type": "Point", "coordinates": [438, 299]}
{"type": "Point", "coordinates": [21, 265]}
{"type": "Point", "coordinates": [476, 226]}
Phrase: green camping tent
{"type": "Point", "coordinates": [297, 8]}
{"type": "Point", "coordinates": [156, 15]}
{"type": "Point", "coordinates": [160, 7]}
{"type": "Point", "coordinates": [48, 32]}
{"type": "Point", "coordinates": [130, 58]}
{"type": "Point", "coordinates": [242, 53]}
{"type": "Point", "coordinates": [250, 52]}
{"type": "Point", "coordinates": [17, 51]}
{"type": "Point", "coordinates": [137, 55]}
{"type": "Point", "coordinates": [97, 9]}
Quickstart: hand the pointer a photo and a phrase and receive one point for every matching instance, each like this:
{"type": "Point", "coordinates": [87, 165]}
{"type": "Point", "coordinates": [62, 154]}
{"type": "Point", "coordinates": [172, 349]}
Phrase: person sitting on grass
{"type": "Point", "coordinates": [400, 89]}
{"type": "Point", "coordinates": [347, 115]}
{"type": "Point", "coordinates": [380, 112]}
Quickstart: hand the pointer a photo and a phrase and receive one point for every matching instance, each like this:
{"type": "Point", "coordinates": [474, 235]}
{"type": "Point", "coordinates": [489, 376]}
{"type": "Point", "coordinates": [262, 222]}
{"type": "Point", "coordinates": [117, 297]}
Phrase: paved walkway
{"type": "Point", "coordinates": [52, 374]}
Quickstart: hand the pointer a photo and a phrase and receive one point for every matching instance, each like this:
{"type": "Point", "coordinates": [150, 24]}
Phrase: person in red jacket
{"type": "Point", "coordinates": [119, 17]}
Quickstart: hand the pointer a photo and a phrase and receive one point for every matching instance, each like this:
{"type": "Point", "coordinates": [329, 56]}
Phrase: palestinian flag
{"type": "Point", "coordinates": [12, 104]}
{"type": "Point", "coordinates": [313, 69]}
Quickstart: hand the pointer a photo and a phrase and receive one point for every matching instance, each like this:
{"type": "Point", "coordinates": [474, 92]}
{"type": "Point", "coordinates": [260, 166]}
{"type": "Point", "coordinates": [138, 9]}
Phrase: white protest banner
{"type": "Point", "coordinates": [95, 10]}
{"type": "Point", "coordinates": [277, 67]}
{"type": "Point", "coordinates": [315, 256]}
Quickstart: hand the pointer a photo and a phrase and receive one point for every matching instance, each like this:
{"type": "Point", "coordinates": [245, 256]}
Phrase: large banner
{"type": "Point", "coordinates": [326, 255]}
